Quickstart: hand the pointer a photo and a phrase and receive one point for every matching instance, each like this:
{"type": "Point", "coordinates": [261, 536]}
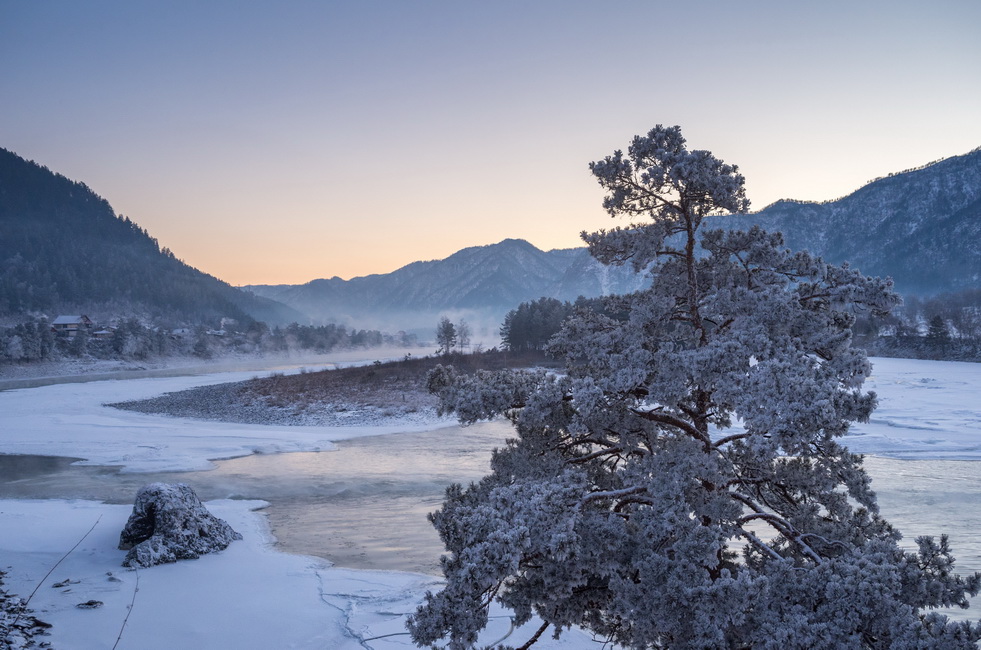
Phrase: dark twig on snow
{"type": "Point", "coordinates": [48, 574]}
{"type": "Point", "coordinates": [129, 609]}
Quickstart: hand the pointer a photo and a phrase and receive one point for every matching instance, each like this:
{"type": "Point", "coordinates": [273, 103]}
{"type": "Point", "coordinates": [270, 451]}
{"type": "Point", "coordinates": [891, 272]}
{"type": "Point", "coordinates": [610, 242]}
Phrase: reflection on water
{"type": "Point", "coordinates": [18, 470]}
{"type": "Point", "coordinates": [361, 506]}
{"type": "Point", "coordinates": [365, 505]}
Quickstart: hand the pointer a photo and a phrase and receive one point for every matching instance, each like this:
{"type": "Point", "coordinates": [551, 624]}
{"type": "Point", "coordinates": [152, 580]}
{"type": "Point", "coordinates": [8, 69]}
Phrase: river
{"type": "Point", "coordinates": [361, 506]}
{"type": "Point", "coordinates": [364, 505]}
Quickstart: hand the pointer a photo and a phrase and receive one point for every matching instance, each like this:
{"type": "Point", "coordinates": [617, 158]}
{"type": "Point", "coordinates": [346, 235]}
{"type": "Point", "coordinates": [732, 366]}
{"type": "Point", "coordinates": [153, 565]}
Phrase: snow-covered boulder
{"type": "Point", "coordinates": [170, 523]}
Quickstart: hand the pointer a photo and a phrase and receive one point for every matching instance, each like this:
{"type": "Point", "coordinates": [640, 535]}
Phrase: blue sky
{"type": "Point", "coordinates": [278, 143]}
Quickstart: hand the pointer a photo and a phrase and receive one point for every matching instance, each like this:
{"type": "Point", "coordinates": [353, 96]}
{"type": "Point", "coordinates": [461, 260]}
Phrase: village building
{"type": "Point", "coordinates": [69, 326]}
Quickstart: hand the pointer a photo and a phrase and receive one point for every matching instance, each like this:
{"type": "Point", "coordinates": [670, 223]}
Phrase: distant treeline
{"type": "Point", "coordinates": [35, 340]}
{"type": "Point", "coordinates": [946, 327]}
{"type": "Point", "coordinates": [532, 324]}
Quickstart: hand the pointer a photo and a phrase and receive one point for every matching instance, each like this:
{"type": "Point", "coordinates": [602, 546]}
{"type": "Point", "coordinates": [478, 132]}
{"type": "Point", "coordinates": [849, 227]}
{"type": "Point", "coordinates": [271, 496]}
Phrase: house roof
{"type": "Point", "coordinates": [66, 320]}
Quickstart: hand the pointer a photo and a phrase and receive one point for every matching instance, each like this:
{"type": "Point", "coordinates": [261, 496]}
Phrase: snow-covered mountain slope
{"type": "Point", "coordinates": [921, 227]}
{"type": "Point", "coordinates": [489, 279]}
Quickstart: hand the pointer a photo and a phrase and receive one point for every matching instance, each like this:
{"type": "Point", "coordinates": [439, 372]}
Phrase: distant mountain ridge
{"type": "Point", "coordinates": [921, 227]}
{"type": "Point", "coordinates": [63, 249]}
{"type": "Point", "coordinates": [482, 281]}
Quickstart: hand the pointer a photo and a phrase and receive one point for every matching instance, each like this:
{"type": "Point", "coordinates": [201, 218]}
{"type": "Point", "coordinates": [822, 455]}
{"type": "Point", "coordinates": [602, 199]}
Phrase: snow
{"type": "Point", "coordinates": [188, 604]}
{"type": "Point", "coordinates": [82, 427]}
{"type": "Point", "coordinates": [252, 595]}
{"type": "Point", "coordinates": [927, 410]}
{"type": "Point", "coordinates": [248, 596]}
{"type": "Point", "coordinates": [40, 373]}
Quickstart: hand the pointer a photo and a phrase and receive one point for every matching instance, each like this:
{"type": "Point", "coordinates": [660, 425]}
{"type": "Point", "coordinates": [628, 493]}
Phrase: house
{"type": "Point", "coordinates": [69, 326]}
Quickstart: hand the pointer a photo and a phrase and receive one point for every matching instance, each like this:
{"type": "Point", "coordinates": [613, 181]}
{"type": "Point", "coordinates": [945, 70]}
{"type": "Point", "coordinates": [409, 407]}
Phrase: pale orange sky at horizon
{"type": "Point", "coordinates": [269, 145]}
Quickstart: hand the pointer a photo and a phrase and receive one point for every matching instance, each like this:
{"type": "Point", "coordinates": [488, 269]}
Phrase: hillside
{"type": "Point", "coordinates": [63, 249]}
{"type": "Point", "coordinates": [921, 227]}
{"type": "Point", "coordinates": [480, 282]}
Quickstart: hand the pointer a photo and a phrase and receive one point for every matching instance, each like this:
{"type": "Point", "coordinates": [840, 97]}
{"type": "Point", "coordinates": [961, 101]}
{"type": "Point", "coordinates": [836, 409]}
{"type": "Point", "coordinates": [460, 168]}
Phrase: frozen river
{"type": "Point", "coordinates": [364, 505]}
{"type": "Point", "coordinates": [362, 501]}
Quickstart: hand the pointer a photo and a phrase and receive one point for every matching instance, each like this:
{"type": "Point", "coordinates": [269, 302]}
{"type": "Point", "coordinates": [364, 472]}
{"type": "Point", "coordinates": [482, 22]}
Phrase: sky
{"type": "Point", "coordinates": [276, 143]}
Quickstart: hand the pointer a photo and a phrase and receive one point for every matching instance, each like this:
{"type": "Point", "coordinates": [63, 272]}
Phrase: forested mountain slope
{"type": "Point", "coordinates": [922, 227]}
{"type": "Point", "coordinates": [64, 249]}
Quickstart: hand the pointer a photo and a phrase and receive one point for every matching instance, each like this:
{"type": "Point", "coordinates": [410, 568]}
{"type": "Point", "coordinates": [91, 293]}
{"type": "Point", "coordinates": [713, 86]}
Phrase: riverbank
{"type": "Point", "coordinates": [248, 596]}
{"type": "Point", "coordinates": [382, 393]}
{"type": "Point", "coordinates": [45, 373]}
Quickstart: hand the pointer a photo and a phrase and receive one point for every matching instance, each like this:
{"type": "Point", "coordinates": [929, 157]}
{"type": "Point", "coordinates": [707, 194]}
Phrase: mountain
{"type": "Point", "coordinates": [64, 249]}
{"type": "Point", "coordinates": [481, 282]}
{"type": "Point", "coordinates": [922, 227]}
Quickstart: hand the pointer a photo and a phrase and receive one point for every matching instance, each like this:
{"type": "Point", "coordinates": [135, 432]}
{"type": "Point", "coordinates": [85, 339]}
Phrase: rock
{"type": "Point", "coordinates": [18, 627]}
{"type": "Point", "coordinates": [90, 604]}
{"type": "Point", "coordinates": [65, 583]}
{"type": "Point", "coordinates": [169, 523]}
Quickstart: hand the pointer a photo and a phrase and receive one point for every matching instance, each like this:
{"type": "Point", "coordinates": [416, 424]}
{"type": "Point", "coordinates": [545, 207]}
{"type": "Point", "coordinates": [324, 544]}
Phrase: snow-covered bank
{"type": "Point", "coordinates": [71, 420]}
{"type": "Point", "coordinates": [927, 409]}
{"type": "Point", "coordinates": [188, 604]}
{"type": "Point", "coordinates": [248, 596]}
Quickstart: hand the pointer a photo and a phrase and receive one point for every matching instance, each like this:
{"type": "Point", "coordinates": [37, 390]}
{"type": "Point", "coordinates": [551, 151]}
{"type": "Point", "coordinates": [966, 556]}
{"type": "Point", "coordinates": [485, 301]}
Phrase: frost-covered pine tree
{"type": "Point", "coordinates": [683, 485]}
{"type": "Point", "coordinates": [445, 335]}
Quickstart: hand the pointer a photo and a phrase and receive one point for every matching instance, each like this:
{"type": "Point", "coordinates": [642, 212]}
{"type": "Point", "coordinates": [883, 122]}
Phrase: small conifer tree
{"type": "Point", "coordinates": [445, 335]}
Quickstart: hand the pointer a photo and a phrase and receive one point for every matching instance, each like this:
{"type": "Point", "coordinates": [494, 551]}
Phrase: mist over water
{"type": "Point", "coordinates": [365, 505]}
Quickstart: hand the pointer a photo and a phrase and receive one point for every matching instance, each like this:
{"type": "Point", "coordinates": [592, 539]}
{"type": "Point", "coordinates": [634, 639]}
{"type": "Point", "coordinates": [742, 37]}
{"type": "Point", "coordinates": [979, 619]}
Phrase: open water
{"type": "Point", "coordinates": [364, 505]}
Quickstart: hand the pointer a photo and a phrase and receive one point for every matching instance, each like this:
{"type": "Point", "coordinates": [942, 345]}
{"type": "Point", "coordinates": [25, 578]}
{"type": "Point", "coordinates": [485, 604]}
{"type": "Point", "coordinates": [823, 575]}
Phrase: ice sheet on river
{"type": "Point", "coordinates": [253, 596]}
{"type": "Point", "coordinates": [71, 420]}
{"type": "Point", "coordinates": [927, 410]}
